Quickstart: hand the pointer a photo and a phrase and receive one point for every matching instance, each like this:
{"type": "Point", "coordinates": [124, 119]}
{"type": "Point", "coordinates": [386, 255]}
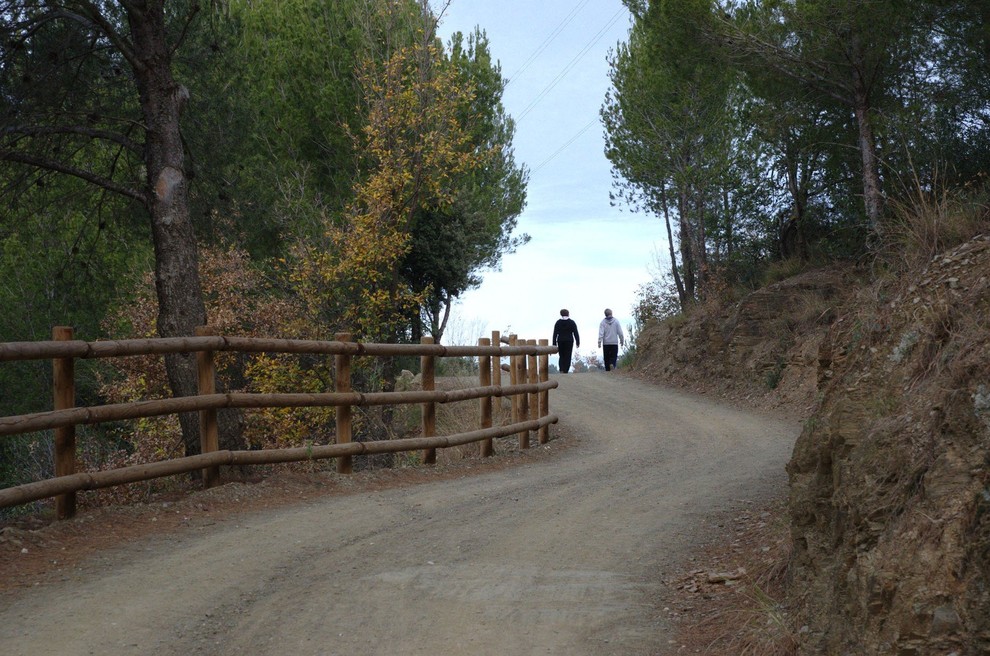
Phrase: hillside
{"type": "Point", "coordinates": [889, 535]}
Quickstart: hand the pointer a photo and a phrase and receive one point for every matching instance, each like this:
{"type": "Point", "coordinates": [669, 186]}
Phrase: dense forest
{"type": "Point", "coordinates": [797, 131]}
{"type": "Point", "coordinates": [302, 168]}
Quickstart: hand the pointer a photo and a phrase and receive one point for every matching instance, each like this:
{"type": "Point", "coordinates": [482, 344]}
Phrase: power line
{"type": "Point", "coordinates": [570, 65]}
{"type": "Point", "coordinates": [547, 41]}
{"type": "Point", "coordinates": [564, 147]}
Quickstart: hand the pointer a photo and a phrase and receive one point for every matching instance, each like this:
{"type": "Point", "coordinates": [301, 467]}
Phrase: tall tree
{"type": "Point", "coordinates": [412, 151]}
{"type": "Point", "coordinates": [452, 244]}
{"type": "Point", "coordinates": [834, 48]}
{"type": "Point", "coordinates": [668, 127]}
{"type": "Point", "coordinates": [797, 136]}
{"type": "Point", "coordinates": [63, 60]}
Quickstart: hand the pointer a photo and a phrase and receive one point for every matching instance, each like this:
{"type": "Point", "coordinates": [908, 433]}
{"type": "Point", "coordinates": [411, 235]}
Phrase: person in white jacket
{"type": "Point", "coordinates": [609, 338]}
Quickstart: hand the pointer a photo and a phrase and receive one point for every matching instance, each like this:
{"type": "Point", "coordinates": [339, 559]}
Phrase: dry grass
{"type": "Point", "coordinates": [743, 615]}
{"type": "Point", "coordinates": [931, 220]}
{"type": "Point", "coordinates": [465, 416]}
{"type": "Point", "coordinates": [782, 270]}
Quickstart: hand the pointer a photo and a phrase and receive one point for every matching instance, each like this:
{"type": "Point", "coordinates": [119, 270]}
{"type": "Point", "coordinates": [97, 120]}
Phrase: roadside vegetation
{"type": "Point", "coordinates": [298, 169]}
{"type": "Point", "coordinates": [769, 138]}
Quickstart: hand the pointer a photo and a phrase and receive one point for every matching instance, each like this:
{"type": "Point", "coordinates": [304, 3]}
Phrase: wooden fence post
{"type": "Point", "coordinates": [497, 372]}
{"type": "Point", "coordinates": [485, 368]}
{"type": "Point", "coordinates": [522, 377]}
{"type": "Point", "coordinates": [513, 377]}
{"type": "Point", "coordinates": [209, 438]}
{"type": "Point", "coordinates": [534, 397]}
{"type": "Point", "coordinates": [545, 394]}
{"type": "Point", "coordinates": [342, 384]}
{"type": "Point", "coordinates": [427, 365]}
{"type": "Point", "coordinates": [64, 397]}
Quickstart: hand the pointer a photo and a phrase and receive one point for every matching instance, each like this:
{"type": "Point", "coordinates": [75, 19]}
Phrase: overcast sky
{"type": "Point", "coordinates": [584, 255]}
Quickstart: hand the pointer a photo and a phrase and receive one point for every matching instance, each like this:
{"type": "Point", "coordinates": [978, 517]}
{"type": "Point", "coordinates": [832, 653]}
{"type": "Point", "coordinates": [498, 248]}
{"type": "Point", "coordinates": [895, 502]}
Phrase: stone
{"type": "Point", "coordinates": [945, 621]}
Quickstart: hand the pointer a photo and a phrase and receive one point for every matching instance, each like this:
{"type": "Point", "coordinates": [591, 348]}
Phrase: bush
{"type": "Point", "coordinates": [657, 300]}
{"type": "Point", "coordinates": [931, 219]}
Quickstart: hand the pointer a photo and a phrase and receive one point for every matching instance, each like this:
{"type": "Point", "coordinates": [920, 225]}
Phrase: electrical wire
{"type": "Point", "coordinates": [564, 147]}
{"type": "Point", "coordinates": [546, 42]}
{"type": "Point", "coordinates": [570, 65]}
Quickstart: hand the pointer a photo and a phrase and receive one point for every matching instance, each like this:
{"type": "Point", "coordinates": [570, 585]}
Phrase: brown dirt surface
{"type": "Point", "coordinates": [888, 483]}
{"type": "Point", "coordinates": [880, 544]}
{"type": "Point", "coordinates": [611, 539]}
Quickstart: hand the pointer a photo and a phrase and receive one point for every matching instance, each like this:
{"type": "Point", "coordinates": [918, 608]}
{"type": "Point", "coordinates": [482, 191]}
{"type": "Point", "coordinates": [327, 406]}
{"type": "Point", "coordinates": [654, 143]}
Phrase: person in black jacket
{"type": "Point", "coordinates": [565, 338]}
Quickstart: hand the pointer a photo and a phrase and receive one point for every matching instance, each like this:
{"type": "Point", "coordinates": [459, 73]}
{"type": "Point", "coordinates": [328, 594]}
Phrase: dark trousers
{"type": "Point", "coordinates": [564, 355]}
{"type": "Point", "coordinates": [611, 354]}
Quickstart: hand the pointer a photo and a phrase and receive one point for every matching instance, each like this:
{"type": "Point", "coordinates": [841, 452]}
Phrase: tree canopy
{"type": "Point", "coordinates": [352, 161]}
{"type": "Point", "coordinates": [765, 129]}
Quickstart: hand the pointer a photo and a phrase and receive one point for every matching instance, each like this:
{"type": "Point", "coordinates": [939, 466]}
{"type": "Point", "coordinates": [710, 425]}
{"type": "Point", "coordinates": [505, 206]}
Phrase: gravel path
{"type": "Point", "coordinates": [559, 555]}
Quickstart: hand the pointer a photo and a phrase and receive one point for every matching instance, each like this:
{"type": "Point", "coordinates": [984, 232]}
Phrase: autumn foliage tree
{"type": "Point", "coordinates": [452, 243]}
{"type": "Point", "coordinates": [241, 301]}
{"type": "Point", "coordinates": [413, 148]}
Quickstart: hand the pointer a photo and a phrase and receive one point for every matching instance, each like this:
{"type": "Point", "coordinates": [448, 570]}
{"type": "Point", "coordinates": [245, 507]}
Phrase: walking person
{"type": "Point", "coordinates": [565, 338]}
{"type": "Point", "coordinates": [609, 338]}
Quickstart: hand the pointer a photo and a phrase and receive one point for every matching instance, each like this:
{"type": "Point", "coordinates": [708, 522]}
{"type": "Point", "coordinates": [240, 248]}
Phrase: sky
{"type": "Point", "coordinates": [584, 254]}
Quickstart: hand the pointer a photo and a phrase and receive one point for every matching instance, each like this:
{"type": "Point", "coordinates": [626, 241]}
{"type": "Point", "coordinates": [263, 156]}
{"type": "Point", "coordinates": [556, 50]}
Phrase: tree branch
{"type": "Point", "coordinates": [185, 28]}
{"type": "Point", "coordinates": [88, 176]}
{"type": "Point", "coordinates": [36, 130]}
{"type": "Point", "coordinates": [785, 62]}
{"type": "Point", "coordinates": [91, 16]}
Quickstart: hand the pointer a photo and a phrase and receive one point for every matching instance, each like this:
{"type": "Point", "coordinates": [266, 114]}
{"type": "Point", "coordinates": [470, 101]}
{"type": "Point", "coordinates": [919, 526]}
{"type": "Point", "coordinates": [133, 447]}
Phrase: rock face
{"type": "Point", "coordinates": [890, 486]}
{"type": "Point", "coordinates": [890, 479]}
{"type": "Point", "coordinates": [764, 348]}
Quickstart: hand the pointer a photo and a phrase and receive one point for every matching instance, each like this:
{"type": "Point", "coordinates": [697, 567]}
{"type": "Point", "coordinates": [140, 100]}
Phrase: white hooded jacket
{"type": "Point", "coordinates": [610, 332]}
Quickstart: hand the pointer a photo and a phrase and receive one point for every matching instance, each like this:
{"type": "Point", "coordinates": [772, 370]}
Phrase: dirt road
{"type": "Point", "coordinates": [560, 555]}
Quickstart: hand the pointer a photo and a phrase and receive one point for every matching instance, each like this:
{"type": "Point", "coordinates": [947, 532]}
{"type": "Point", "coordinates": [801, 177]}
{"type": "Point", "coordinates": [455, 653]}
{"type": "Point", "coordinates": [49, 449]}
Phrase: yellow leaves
{"type": "Point", "coordinates": [285, 427]}
{"type": "Point", "coordinates": [413, 149]}
{"type": "Point", "coordinates": [414, 141]}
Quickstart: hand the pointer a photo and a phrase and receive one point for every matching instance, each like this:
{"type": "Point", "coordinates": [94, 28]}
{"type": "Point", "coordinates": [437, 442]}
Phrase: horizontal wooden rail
{"type": "Point", "coordinates": [13, 496]}
{"type": "Point", "coordinates": [38, 421]}
{"type": "Point", "coordinates": [10, 351]}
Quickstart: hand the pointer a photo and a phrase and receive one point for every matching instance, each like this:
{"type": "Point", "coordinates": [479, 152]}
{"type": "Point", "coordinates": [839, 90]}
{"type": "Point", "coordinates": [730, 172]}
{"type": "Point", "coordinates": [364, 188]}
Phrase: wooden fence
{"type": "Point", "coordinates": [528, 390]}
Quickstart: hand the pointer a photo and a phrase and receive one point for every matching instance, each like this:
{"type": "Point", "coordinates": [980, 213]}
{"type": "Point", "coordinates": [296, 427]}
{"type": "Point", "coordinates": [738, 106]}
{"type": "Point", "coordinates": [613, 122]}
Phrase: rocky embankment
{"type": "Point", "coordinates": [889, 481]}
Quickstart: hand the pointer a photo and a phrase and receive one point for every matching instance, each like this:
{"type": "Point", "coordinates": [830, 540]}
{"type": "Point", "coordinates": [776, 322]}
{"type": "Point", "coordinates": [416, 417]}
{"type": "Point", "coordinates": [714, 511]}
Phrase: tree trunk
{"type": "Point", "coordinates": [700, 244]}
{"type": "Point", "coordinates": [416, 324]}
{"type": "Point", "coordinates": [872, 189]}
{"type": "Point", "coordinates": [443, 322]}
{"type": "Point", "coordinates": [180, 298]}
{"type": "Point", "coordinates": [791, 234]}
{"type": "Point", "coordinates": [681, 295]}
{"type": "Point", "coordinates": [687, 249]}
{"type": "Point", "coordinates": [729, 236]}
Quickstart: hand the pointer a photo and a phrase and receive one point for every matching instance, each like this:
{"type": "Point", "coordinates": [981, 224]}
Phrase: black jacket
{"type": "Point", "coordinates": [565, 330]}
